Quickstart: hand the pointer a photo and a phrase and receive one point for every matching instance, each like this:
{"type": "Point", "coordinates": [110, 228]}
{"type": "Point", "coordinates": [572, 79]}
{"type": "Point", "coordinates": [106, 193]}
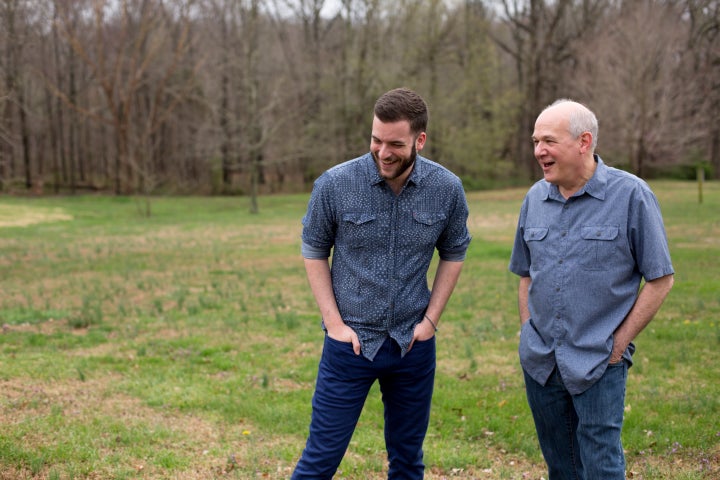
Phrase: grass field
{"type": "Point", "coordinates": [184, 346]}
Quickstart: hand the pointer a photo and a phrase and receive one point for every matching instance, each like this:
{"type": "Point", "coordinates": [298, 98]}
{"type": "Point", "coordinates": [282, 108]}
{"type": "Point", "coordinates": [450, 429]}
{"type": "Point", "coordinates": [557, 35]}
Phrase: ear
{"type": "Point", "coordinates": [586, 139]}
{"type": "Point", "coordinates": [420, 141]}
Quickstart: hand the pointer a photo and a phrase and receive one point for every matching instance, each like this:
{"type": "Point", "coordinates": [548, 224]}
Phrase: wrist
{"type": "Point", "coordinates": [434, 325]}
{"type": "Point", "coordinates": [333, 323]}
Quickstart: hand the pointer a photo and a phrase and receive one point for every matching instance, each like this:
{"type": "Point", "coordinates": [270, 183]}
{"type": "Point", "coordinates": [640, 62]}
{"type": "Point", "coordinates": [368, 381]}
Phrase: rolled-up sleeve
{"type": "Point", "coordinates": [454, 243]}
{"type": "Point", "coordinates": [314, 253]}
{"type": "Point", "coordinates": [318, 225]}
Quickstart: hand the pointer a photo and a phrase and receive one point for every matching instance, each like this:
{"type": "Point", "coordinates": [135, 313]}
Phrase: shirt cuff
{"type": "Point", "coordinates": [456, 254]}
{"type": "Point", "coordinates": [453, 256]}
{"type": "Point", "coordinates": [314, 253]}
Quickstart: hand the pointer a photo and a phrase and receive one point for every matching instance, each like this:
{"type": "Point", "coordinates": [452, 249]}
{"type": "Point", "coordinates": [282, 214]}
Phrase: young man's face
{"type": "Point", "coordinates": [394, 148]}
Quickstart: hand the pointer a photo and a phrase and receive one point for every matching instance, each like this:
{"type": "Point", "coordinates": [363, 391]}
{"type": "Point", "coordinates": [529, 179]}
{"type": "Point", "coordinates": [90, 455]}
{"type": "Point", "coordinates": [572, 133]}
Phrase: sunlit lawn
{"type": "Point", "coordinates": [185, 345]}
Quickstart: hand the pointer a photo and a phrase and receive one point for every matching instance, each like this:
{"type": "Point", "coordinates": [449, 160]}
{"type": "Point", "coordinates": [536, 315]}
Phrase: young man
{"type": "Point", "coordinates": [382, 215]}
{"type": "Point", "coordinates": [587, 235]}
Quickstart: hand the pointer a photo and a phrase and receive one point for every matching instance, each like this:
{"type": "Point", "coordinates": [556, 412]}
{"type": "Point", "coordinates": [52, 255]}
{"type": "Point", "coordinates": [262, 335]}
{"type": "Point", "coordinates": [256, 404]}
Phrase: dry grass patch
{"type": "Point", "coordinates": [24, 215]}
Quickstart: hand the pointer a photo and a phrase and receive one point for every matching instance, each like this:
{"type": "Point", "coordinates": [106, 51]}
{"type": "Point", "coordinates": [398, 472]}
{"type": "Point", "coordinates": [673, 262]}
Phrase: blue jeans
{"type": "Point", "coordinates": [343, 383]}
{"type": "Point", "coordinates": [579, 435]}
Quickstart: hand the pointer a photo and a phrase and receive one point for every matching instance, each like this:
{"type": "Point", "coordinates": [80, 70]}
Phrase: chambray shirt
{"type": "Point", "coordinates": [585, 256]}
{"type": "Point", "coordinates": [382, 244]}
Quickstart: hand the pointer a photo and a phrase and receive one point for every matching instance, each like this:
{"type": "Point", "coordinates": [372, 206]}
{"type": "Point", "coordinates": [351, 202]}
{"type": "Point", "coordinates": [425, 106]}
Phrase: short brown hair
{"type": "Point", "coordinates": [402, 104]}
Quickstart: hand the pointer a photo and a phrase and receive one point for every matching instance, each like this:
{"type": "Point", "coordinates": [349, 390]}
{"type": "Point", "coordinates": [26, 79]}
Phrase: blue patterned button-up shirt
{"type": "Point", "coordinates": [382, 244]}
{"type": "Point", "coordinates": [586, 257]}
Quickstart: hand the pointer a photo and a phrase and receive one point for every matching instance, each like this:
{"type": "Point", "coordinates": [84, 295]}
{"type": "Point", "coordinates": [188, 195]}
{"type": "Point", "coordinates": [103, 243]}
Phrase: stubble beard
{"type": "Point", "coordinates": [405, 164]}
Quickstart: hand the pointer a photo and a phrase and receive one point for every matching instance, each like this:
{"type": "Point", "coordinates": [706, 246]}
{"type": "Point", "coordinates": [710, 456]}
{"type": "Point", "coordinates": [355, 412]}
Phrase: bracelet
{"type": "Point", "coordinates": [431, 322]}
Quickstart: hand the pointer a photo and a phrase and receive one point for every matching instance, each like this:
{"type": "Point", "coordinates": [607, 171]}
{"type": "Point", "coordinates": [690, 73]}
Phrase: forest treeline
{"type": "Point", "coordinates": [250, 96]}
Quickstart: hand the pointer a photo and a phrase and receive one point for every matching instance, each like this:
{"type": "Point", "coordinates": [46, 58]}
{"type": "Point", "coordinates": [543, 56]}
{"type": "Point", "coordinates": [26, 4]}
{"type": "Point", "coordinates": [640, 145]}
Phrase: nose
{"type": "Point", "coordinates": [383, 151]}
{"type": "Point", "coordinates": [539, 149]}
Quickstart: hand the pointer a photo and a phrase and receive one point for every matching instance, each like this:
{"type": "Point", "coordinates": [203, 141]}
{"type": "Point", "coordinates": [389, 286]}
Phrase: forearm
{"type": "Point", "coordinates": [446, 278]}
{"type": "Point", "coordinates": [318, 274]}
{"type": "Point", "coordinates": [646, 306]}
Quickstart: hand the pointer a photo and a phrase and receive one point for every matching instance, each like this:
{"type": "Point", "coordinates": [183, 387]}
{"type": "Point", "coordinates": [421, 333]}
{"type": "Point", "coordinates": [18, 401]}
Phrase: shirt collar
{"type": "Point", "coordinates": [419, 171]}
{"type": "Point", "coordinates": [595, 187]}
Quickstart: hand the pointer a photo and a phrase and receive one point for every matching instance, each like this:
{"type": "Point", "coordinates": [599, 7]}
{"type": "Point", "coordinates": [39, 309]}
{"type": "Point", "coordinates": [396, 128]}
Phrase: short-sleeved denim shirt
{"type": "Point", "coordinates": [586, 257]}
{"type": "Point", "coordinates": [382, 243]}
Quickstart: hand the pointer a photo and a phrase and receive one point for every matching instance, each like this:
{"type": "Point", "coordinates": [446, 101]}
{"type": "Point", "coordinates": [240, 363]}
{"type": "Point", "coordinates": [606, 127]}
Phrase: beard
{"type": "Point", "coordinates": [402, 164]}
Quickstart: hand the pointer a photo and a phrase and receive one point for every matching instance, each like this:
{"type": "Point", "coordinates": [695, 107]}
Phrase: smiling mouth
{"type": "Point", "coordinates": [546, 165]}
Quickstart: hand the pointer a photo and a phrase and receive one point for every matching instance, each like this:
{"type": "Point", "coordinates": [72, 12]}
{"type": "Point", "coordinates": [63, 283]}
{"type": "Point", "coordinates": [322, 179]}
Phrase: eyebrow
{"type": "Point", "coordinates": [542, 137]}
{"type": "Point", "coordinates": [394, 142]}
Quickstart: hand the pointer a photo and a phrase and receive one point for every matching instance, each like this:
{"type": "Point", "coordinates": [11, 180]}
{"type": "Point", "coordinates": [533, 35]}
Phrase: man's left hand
{"type": "Point", "coordinates": [423, 331]}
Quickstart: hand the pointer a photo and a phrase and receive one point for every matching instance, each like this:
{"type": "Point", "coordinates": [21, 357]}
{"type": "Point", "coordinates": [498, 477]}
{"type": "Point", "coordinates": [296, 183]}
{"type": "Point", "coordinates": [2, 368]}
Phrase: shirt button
{"type": "Point", "coordinates": [560, 261]}
{"type": "Point", "coordinates": [557, 289]}
{"type": "Point", "coordinates": [564, 233]}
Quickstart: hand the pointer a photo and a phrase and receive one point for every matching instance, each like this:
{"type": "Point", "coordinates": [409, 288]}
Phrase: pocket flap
{"type": "Point", "coordinates": [429, 218]}
{"type": "Point", "coordinates": [535, 233]}
{"type": "Point", "coordinates": [358, 218]}
{"type": "Point", "coordinates": [600, 232]}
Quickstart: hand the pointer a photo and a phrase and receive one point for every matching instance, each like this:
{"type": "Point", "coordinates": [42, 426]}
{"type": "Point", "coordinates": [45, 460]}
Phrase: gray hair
{"type": "Point", "coordinates": [580, 120]}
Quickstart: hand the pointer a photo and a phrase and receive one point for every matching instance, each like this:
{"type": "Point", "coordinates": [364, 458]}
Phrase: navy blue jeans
{"type": "Point", "coordinates": [343, 383]}
{"type": "Point", "coordinates": [580, 434]}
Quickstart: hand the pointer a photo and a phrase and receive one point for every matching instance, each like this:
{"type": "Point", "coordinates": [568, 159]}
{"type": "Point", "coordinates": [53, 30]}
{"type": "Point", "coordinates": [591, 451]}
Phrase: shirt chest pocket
{"type": "Point", "coordinates": [425, 229]}
{"type": "Point", "coordinates": [534, 237]}
{"type": "Point", "coordinates": [600, 244]}
{"type": "Point", "coordinates": [359, 228]}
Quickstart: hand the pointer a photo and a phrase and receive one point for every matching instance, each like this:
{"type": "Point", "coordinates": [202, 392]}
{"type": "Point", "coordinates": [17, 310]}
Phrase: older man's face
{"type": "Point", "coordinates": [558, 153]}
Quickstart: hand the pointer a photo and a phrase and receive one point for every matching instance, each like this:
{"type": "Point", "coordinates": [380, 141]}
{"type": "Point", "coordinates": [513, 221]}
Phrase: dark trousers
{"type": "Point", "coordinates": [580, 434]}
{"type": "Point", "coordinates": [343, 383]}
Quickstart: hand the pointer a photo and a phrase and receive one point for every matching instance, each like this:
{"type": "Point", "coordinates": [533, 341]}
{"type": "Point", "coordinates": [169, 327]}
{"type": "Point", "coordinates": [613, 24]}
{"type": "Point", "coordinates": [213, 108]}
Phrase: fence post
{"type": "Point", "coordinates": [700, 179]}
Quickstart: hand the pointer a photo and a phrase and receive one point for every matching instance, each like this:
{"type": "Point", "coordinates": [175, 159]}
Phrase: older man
{"type": "Point", "coordinates": [587, 235]}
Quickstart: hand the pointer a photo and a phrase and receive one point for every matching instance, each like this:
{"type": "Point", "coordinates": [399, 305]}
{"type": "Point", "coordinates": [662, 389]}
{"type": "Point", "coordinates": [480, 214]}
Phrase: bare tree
{"type": "Point", "coordinates": [359, 41]}
{"type": "Point", "coordinates": [543, 38]}
{"type": "Point", "coordinates": [703, 47]}
{"type": "Point", "coordinates": [631, 80]}
{"type": "Point", "coordinates": [287, 86]}
{"type": "Point", "coordinates": [251, 92]}
{"type": "Point", "coordinates": [6, 142]}
{"type": "Point", "coordinates": [425, 63]}
{"type": "Point", "coordinates": [225, 14]}
{"type": "Point", "coordinates": [14, 105]}
{"type": "Point", "coordinates": [121, 57]}
{"type": "Point", "coordinates": [301, 32]}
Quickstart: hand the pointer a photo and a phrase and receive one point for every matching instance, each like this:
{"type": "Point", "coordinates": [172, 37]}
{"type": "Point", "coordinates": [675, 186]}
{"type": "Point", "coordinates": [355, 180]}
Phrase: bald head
{"type": "Point", "coordinates": [564, 138]}
{"type": "Point", "coordinates": [579, 118]}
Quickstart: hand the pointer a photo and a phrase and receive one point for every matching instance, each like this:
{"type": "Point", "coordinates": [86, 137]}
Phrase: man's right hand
{"type": "Point", "coordinates": [343, 333]}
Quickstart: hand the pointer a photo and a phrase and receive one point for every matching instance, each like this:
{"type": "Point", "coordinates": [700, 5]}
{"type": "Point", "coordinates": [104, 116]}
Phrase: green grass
{"type": "Point", "coordinates": [185, 344]}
